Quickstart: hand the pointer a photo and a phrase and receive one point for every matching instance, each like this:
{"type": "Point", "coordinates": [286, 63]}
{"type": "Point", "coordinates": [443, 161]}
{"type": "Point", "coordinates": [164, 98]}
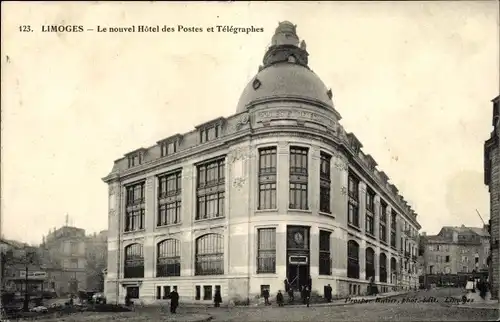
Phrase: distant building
{"type": "Point", "coordinates": [456, 250]}
{"type": "Point", "coordinates": [65, 249]}
{"type": "Point", "coordinates": [96, 249]}
{"type": "Point", "coordinates": [492, 180]}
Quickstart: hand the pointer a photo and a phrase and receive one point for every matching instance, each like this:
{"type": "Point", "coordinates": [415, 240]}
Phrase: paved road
{"type": "Point", "coordinates": [395, 311]}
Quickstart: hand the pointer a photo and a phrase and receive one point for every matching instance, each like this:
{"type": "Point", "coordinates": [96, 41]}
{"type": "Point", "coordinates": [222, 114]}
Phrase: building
{"type": "Point", "coordinates": [64, 249]}
{"type": "Point", "coordinates": [492, 180]}
{"type": "Point", "coordinates": [96, 248]}
{"type": "Point", "coordinates": [456, 250]}
{"type": "Point", "coordinates": [278, 190]}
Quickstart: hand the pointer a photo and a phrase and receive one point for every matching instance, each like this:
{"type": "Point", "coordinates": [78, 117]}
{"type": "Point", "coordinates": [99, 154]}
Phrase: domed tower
{"type": "Point", "coordinates": [286, 76]}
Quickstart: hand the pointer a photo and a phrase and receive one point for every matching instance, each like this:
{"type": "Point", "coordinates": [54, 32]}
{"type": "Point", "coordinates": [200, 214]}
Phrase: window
{"type": "Point", "coordinates": [370, 200]}
{"type": "Point", "coordinates": [207, 292]}
{"type": "Point", "coordinates": [198, 293]}
{"type": "Point", "coordinates": [369, 224]}
{"type": "Point", "coordinates": [352, 259]}
{"type": "Point", "coordinates": [383, 221]}
{"type": "Point", "coordinates": [169, 199]}
{"type": "Point", "coordinates": [267, 178]}
{"type": "Point", "coordinates": [168, 148]}
{"type": "Point", "coordinates": [158, 292]}
{"type": "Point", "coordinates": [210, 255]}
{"type": "Point", "coordinates": [383, 268]}
{"type": "Point", "coordinates": [266, 252]}
{"type": "Point", "coordinates": [134, 159]}
{"type": "Point", "coordinates": [211, 190]}
{"type": "Point", "coordinates": [353, 203]}
{"type": "Point", "coordinates": [169, 258]}
{"type": "Point", "coordinates": [324, 183]}
{"type": "Point", "coordinates": [298, 178]}
{"type": "Point", "coordinates": [369, 263]}
{"type": "Point", "coordinates": [393, 229]}
{"type": "Point", "coordinates": [133, 292]}
{"type": "Point", "coordinates": [135, 207]}
{"type": "Point", "coordinates": [134, 261]}
{"type": "Point", "coordinates": [324, 253]}
{"type": "Point", "coordinates": [210, 133]}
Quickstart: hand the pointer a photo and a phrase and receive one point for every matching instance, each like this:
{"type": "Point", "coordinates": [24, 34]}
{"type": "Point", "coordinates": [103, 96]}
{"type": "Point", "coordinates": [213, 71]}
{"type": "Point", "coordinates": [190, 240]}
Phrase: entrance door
{"type": "Point", "coordinates": [297, 275]}
{"type": "Point", "coordinates": [133, 292]}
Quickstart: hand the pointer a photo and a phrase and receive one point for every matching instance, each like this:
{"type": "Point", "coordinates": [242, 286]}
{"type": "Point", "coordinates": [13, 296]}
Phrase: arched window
{"type": "Point", "coordinates": [352, 259]}
{"type": "Point", "coordinates": [383, 268]}
{"type": "Point", "coordinates": [369, 263]}
{"type": "Point", "coordinates": [168, 261]}
{"type": "Point", "coordinates": [393, 269]}
{"type": "Point", "coordinates": [210, 255]}
{"type": "Point", "coordinates": [134, 261]}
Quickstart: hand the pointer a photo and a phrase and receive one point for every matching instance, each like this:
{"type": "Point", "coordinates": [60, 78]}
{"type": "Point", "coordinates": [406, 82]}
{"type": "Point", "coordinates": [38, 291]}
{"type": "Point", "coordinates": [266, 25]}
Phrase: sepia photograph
{"type": "Point", "coordinates": [250, 161]}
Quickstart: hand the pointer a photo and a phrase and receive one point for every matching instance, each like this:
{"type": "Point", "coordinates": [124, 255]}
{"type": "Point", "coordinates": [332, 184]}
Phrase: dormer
{"type": "Point", "coordinates": [136, 157]}
{"type": "Point", "coordinates": [170, 145]}
{"type": "Point", "coordinates": [384, 176]}
{"type": "Point", "coordinates": [354, 143]}
{"type": "Point", "coordinates": [372, 164]}
{"type": "Point", "coordinates": [394, 190]}
{"type": "Point", "coordinates": [211, 130]}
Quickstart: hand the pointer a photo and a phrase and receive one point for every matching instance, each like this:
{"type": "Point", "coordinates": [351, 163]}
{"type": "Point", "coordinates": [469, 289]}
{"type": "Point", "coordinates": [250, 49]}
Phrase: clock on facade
{"type": "Point", "coordinates": [298, 238]}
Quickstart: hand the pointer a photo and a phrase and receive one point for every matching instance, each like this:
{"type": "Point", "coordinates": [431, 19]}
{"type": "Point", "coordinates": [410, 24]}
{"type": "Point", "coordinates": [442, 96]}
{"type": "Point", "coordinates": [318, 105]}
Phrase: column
{"type": "Point", "coordinates": [388, 214]}
{"type": "Point", "coordinates": [377, 264]}
{"type": "Point", "coordinates": [314, 251]}
{"type": "Point", "coordinates": [339, 182]}
{"type": "Point", "coordinates": [283, 177]}
{"type": "Point", "coordinates": [362, 206]}
{"type": "Point", "coordinates": [313, 178]}
{"type": "Point", "coordinates": [362, 260]}
{"type": "Point", "coordinates": [376, 232]}
{"type": "Point", "coordinates": [188, 213]}
{"type": "Point", "coordinates": [281, 259]}
{"type": "Point", "coordinates": [150, 221]}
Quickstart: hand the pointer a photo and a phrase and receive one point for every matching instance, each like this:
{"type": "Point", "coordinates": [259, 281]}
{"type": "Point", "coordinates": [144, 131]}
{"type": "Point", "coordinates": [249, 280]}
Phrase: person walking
{"type": "Point", "coordinates": [279, 298]}
{"type": "Point", "coordinates": [307, 295]}
{"type": "Point", "coordinates": [328, 293]}
{"type": "Point", "coordinates": [265, 294]}
{"type": "Point", "coordinates": [217, 298]}
{"type": "Point", "coordinates": [174, 301]}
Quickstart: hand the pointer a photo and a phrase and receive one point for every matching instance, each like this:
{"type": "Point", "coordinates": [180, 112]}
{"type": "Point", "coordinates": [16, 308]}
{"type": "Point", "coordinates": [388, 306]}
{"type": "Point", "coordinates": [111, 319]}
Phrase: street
{"type": "Point", "coordinates": [416, 306]}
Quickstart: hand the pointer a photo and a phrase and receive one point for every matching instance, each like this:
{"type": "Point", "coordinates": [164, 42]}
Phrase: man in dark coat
{"type": "Point", "coordinates": [328, 293]}
{"type": "Point", "coordinates": [265, 294]}
{"type": "Point", "coordinates": [309, 283]}
{"type": "Point", "coordinates": [174, 300]}
{"type": "Point", "coordinates": [307, 295]}
{"type": "Point", "coordinates": [217, 298]}
{"type": "Point", "coordinates": [279, 298]}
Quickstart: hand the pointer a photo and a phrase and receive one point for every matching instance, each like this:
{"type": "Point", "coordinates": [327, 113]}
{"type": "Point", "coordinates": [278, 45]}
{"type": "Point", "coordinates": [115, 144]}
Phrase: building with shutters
{"type": "Point", "coordinates": [276, 191]}
{"type": "Point", "coordinates": [492, 180]}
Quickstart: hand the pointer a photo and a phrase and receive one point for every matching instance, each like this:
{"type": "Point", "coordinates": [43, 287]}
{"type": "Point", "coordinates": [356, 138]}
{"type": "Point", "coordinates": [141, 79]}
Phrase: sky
{"type": "Point", "coordinates": [413, 81]}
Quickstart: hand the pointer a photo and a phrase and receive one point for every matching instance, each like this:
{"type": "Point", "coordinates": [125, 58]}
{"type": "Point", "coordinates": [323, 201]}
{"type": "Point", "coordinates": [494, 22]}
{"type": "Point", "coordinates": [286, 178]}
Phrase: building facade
{"type": "Point", "coordinates": [277, 191]}
{"type": "Point", "coordinates": [64, 248]}
{"type": "Point", "coordinates": [96, 249]}
{"type": "Point", "coordinates": [456, 250]}
{"type": "Point", "coordinates": [492, 180]}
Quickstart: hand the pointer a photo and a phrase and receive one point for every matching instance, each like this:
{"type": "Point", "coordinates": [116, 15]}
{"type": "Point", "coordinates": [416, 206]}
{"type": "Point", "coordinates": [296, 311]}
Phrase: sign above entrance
{"type": "Point", "coordinates": [33, 275]}
{"type": "Point", "coordinates": [297, 260]}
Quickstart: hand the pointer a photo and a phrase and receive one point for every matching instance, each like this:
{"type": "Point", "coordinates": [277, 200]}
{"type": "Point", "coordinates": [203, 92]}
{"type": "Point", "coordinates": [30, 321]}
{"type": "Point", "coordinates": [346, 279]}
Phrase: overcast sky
{"type": "Point", "coordinates": [413, 81]}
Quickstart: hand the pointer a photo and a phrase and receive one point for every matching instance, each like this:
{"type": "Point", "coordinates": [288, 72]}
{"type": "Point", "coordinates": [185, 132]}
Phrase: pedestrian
{"type": "Point", "coordinates": [483, 288]}
{"type": "Point", "coordinates": [309, 283]}
{"type": "Point", "coordinates": [291, 296]}
{"type": "Point", "coordinates": [174, 301]}
{"type": "Point", "coordinates": [307, 295]}
{"type": "Point", "coordinates": [303, 294]}
{"type": "Point", "coordinates": [265, 294]}
{"type": "Point", "coordinates": [128, 301]}
{"type": "Point", "coordinates": [279, 298]}
{"type": "Point", "coordinates": [328, 293]}
{"type": "Point", "coordinates": [287, 285]}
{"type": "Point", "coordinates": [217, 298]}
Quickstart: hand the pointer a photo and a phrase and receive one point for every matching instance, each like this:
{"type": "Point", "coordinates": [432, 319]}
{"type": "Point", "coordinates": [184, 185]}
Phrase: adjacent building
{"type": "Point", "coordinates": [96, 249]}
{"type": "Point", "coordinates": [457, 250]}
{"type": "Point", "coordinates": [276, 191]}
{"type": "Point", "coordinates": [492, 180]}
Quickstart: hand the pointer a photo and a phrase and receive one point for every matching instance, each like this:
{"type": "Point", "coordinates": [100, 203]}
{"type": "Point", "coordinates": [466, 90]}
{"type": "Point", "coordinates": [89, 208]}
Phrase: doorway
{"type": "Point", "coordinates": [297, 275]}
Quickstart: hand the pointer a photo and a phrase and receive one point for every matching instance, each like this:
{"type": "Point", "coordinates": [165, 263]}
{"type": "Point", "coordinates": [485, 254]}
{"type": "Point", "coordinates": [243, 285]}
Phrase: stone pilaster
{"type": "Point", "coordinates": [283, 176]}
{"type": "Point", "coordinates": [314, 172]}
{"type": "Point", "coordinates": [362, 206]}
{"type": "Point", "coordinates": [314, 254]}
{"type": "Point", "coordinates": [188, 213]}
{"type": "Point", "coordinates": [339, 181]}
{"type": "Point", "coordinates": [388, 212]}
{"type": "Point", "coordinates": [150, 223]}
{"type": "Point", "coordinates": [362, 260]}
{"type": "Point", "coordinates": [398, 232]}
{"type": "Point", "coordinates": [377, 264]}
{"type": "Point", "coordinates": [281, 259]}
{"type": "Point", "coordinates": [114, 223]}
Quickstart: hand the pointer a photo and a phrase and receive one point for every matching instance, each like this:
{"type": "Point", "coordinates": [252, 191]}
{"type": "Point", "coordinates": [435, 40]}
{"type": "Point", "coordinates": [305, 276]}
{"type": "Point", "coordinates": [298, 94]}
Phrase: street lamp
{"type": "Point", "coordinates": [27, 259]}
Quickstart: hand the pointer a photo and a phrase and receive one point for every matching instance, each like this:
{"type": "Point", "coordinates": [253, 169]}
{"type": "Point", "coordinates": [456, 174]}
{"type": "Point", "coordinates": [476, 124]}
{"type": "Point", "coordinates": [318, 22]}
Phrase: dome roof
{"type": "Point", "coordinates": [285, 80]}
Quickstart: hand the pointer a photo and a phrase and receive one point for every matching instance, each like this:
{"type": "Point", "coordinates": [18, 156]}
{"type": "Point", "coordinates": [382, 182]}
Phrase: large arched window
{"type": "Point", "coordinates": [352, 259]}
{"type": "Point", "coordinates": [134, 261]}
{"type": "Point", "coordinates": [210, 255]}
{"type": "Point", "coordinates": [383, 268]}
{"type": "Point", "coordinates": [168, 261]}
{"type": "Point", "coordinates": [369, 263]}
{"type": "Point", "coordinates": [393, 269]}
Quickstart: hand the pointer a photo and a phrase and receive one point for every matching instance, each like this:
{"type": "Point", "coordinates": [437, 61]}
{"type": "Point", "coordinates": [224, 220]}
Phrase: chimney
{"type": "Point", "coordinates": [455, 236]}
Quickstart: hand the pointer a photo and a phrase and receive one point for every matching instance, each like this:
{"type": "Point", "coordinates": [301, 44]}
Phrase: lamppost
{"type": "Point", "coordinates": [27, 259]}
